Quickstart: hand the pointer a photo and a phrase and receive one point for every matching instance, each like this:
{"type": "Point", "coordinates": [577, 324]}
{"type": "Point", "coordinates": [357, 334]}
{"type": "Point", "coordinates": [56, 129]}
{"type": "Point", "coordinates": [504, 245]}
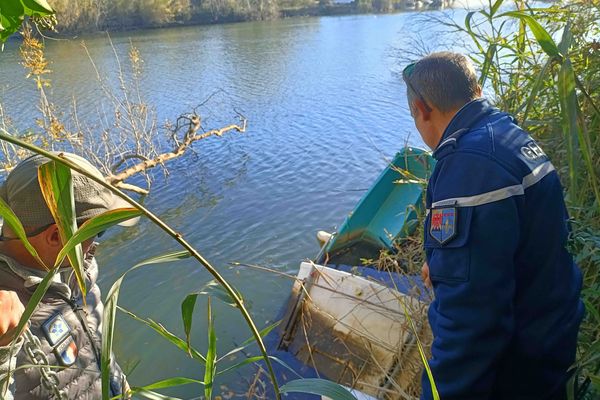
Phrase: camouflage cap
{"type": "Point", "coordinates": [21, 191]}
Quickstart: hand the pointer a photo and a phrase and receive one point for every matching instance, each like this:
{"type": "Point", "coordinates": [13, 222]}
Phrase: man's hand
{"type": "Point", "coordinates": [425, 275]}
{"type": "Point", "coordinates": [11, 310]}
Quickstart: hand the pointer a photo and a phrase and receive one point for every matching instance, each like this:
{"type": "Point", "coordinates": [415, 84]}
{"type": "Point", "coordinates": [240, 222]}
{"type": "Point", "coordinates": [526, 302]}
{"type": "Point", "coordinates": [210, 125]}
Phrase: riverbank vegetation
{"type": "Point", "coordinates": [99, 15]}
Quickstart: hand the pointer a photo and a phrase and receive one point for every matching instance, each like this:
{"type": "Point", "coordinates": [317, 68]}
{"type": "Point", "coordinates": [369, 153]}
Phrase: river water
{"type": "Point", "coordinates": [326, 109]}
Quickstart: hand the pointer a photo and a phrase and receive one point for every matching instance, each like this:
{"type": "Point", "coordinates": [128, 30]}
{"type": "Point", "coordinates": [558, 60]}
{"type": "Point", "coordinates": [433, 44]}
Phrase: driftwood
{"type": "Point", "coordinates": [192, 124]}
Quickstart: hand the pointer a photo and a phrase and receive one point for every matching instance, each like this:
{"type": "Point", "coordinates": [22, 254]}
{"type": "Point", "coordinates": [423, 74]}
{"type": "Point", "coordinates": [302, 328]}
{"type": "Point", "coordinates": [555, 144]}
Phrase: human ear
{"type": "Point", "coordinates": [52, 236]}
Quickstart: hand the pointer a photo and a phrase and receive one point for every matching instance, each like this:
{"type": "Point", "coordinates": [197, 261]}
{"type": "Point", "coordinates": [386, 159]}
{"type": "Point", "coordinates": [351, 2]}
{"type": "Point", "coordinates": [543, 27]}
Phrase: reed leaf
{"type": "Point", "coordinates": [167, 383]}
{"type": "Point", "coordinates": [12, 13]}
{"type": "Point", "coordinates": [246, 361]}
{"type": "Point", "coordinates": [164, 258]}
{"type": "Point", "coordinates": [319, 387]}
{"type": "Point", "coordinates": [264, 332]}
{"type": "Point", "coordinates": [495, 7]}
{"type": "Point", "coordinates": [434, 391]}
{"type": "Point", "coordinates": [95, 225]}
{"type": "Point", "coordinates": [39, 7]}
{"type": "Point", "coordinates": [471, 32]}
{"type": "Point", "coordinates": [569, 111]}
{"type": "Point", "coordinates": [584, 141]}
{"type": "Point", "coordinates": [34, 300]}
{"type": "Point", "coordinates": [212, 288]}
{"type": "Point", "coordinates": [283, 364]}
{"type": "Point", "coordinates": [57, 189]}
{"type": "Point", "coordinates": [149, 394]}
{"type": "Point", "coordinates": [541, 35]}
{"type": "Point", "coordinates": [166, 334]}
{"type": "Point", "coordinates": [487, 63]}
{"type": "Point", "coordinates": [210, 368]}
{"type": "Point", "coordinates": [108, 329]}
{"type": "Point", "coordinates": [537, 85]}
{"type": "Point", "coordinates": [566, 40]}
{"type": "Point", "coordinates": [10, 219]}
{"type": "Point", "coordinates": [187, 312]}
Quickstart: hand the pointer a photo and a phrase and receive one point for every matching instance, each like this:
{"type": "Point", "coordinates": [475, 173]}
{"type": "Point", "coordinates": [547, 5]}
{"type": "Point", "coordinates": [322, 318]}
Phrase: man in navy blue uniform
{"type": "Point", "coordinates": [507, 302]}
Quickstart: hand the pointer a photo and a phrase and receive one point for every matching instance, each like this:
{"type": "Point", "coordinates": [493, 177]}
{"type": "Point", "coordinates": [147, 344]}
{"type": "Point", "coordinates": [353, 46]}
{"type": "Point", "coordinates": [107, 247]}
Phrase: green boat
{"type": "Point", "coordinates": [387, 212]}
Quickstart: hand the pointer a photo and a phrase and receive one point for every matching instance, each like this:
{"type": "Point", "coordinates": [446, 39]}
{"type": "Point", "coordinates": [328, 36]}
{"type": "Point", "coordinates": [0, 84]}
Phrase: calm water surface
{"type": "Point", "coordinates": [326, 110]}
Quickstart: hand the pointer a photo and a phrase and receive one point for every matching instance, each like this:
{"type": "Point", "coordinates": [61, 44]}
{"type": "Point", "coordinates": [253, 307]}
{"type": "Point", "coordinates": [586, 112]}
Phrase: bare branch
{"type": "Point", "coordinates": [189, 138]}
{"type": "Point", "coordinates": [124, 158]}
{"type": "Point", "coordinates": [132, 188]}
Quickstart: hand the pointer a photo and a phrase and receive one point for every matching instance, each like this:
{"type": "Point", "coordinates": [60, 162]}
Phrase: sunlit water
{"type": "Point", "coordinates": [326, 110]}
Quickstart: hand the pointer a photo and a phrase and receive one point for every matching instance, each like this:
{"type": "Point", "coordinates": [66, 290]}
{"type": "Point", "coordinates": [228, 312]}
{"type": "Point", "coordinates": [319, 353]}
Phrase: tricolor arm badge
{"type": "Point", "coordinates": [443, 224]}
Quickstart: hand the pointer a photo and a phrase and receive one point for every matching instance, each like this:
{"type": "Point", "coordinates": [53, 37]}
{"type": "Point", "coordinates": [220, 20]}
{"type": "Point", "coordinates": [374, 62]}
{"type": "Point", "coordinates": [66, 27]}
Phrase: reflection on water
{"type": "Point", "coordinates": [326, 111]}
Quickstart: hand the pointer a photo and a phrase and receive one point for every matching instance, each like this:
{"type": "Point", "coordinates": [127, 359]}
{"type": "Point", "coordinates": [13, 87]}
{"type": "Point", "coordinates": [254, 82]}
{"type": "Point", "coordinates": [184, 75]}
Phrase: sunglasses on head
{"type": "Point", "coordinates": [406, 74]}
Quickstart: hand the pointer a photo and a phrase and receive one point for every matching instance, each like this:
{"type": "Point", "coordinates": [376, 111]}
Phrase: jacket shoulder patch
{"type": "Point", "coordinates": [443, 226]}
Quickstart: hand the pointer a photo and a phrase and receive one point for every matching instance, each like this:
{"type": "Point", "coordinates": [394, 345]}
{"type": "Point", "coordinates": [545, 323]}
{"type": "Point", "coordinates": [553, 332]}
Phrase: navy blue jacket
{"type": "Point", "coordinates": [507, 302]}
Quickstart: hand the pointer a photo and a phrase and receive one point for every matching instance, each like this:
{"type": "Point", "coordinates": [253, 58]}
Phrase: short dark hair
{"type": "Point", "coordinates": [444, 80]}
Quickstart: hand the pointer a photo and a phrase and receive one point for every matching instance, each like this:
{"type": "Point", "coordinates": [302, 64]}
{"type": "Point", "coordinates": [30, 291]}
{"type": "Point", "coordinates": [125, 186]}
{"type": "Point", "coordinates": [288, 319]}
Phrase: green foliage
{"type": "Point", "coordinates": [166, 334]}
{"type": "Point", "coordinates": [541, 35]}
{"type": "Point", "coordinates": [108, 328]}
{"type": "Point", "coordinates": [57, 189]}
{"type": "Point", "coordinates": [187, 313]}
{"type": "Point", "coordinates": [210, 367]}
{"type": "Point", "coordinates": [93, 226]}
{"type": "Point", "coordinates": [212, 288]}
{"type": "Point", "coordinates": [363, 5]}
{"type": "Point", "coordinates": [13, 13]}
{"type": "Point", "coordinates": [110, 311]}
{"type": "Point", "coordinates": [9, 218]}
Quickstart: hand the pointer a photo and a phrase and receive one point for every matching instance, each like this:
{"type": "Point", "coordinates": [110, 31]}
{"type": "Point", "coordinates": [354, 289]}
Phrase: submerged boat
{"type": "Point", "coordinates": [387, 212]}
{"type": "Point", "coordinates": [352, 323]}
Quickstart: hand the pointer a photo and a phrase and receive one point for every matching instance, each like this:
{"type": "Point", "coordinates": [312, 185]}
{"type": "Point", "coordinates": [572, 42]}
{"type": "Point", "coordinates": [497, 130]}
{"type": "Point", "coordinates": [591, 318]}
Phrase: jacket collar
{"type": "Point", "coordinates": [32, 277]}
{"type": "Point", "coordinates": [463, 121]}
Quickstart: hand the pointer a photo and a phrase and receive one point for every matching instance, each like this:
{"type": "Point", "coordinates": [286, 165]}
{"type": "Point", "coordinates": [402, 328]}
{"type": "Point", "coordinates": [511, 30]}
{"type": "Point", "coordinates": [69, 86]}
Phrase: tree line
{"type": "Point", "coordinates": [95, 15]}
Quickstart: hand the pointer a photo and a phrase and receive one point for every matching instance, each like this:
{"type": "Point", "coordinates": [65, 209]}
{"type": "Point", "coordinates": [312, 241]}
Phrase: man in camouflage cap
{"type": "Point", "coordinates": [61, 347]}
